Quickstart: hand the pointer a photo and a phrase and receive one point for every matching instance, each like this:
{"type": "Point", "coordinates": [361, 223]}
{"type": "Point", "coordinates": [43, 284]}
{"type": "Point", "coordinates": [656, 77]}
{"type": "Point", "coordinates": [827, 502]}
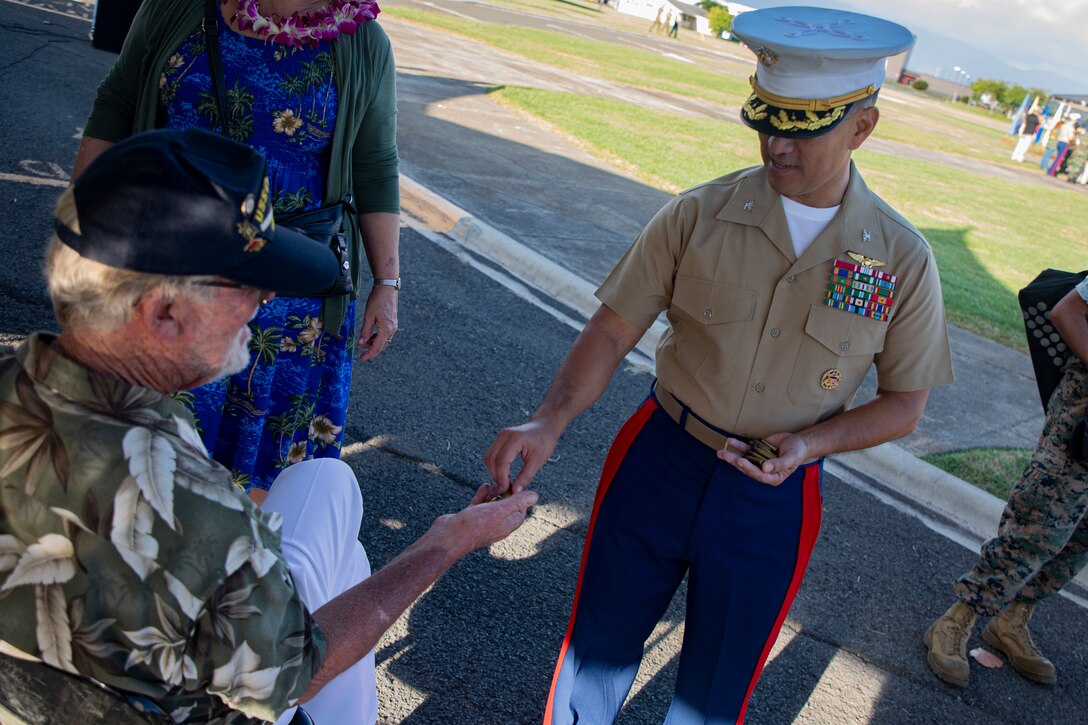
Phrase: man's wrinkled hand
{"type": "Point", "coordinates": [483, 521]}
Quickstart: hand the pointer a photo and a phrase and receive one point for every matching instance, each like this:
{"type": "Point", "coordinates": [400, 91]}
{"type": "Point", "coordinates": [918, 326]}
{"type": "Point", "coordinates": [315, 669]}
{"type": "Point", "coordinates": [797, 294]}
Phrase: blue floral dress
{"type": "Point", "coordinates": [290, 403]}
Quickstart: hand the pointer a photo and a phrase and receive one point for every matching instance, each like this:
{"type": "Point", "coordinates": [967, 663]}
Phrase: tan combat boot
{"type": "Point", "coordinates": [946, 640]}
{"type": "Point", "coordinates": [1008, 632]}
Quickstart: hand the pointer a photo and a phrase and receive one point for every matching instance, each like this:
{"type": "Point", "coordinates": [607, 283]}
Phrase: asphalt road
{"type": "Point", "coordinates": [473, 356]}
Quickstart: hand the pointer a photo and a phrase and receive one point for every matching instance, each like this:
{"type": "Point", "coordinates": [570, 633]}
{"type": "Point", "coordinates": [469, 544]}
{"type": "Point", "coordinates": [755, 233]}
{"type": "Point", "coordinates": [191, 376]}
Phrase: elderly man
{"type": "Point", "coordinates": [782, 284]}
{"type": "Point", "coordinates": [125, 553]}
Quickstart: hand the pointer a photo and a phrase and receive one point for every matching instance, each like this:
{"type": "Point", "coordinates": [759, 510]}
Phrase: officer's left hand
{"type": "Point", "coordinates": [792, 452]}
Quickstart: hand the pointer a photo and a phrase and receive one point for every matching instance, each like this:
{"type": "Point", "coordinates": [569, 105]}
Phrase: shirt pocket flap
{"type": "Point", "coordinates": [845, 333]}
{"type": "Point", "coordinates": [713, 304]}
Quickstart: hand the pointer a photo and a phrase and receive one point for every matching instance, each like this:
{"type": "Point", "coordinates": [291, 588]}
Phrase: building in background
{"type": "Point", "coordinates": [692, 17]}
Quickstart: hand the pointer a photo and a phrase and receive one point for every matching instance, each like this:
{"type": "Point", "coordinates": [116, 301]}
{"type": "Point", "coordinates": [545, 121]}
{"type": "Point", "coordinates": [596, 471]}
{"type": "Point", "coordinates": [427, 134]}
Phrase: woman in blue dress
{"type": "Point", "coordinates": [311, 86]}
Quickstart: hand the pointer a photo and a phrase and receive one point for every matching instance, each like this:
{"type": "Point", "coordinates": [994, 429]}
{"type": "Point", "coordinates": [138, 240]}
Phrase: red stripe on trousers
{"type": "Point", "coordinates": [612, 462]}
{"type": "Point", "coordinates": [811, 515]}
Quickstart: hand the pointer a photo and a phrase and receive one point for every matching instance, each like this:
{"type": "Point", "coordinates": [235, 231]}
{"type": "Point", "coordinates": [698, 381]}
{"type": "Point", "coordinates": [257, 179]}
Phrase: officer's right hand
{"type": "Point", "coordinates": [534, 442]}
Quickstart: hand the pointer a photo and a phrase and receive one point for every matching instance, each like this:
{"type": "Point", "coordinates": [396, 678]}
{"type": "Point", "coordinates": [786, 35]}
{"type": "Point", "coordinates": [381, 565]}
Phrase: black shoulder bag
{"type": "Point", "coordinates": [326, 225]}
{"type": "Point", "coordinates": [1049, 352]}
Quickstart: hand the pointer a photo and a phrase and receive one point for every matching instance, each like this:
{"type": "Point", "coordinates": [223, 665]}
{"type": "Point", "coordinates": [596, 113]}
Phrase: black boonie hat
{"type": "Point", "coordinates": [813, 65]}
{"type": "Point", "coordinates": [190, 202]}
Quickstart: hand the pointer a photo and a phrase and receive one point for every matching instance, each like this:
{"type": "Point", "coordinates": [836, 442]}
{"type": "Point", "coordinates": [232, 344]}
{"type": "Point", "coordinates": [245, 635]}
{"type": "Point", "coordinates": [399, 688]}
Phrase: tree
{"type": "Point", "coordinates": [985, 86]}
{"type": "Point", "coordinates": [1007, 97]}
{"type": "Point", "coordinates": [720, 20]}
{"type": "Point", "coordinates": [709, 5]}
{"type": "Point", "coordinates": [1013, 96]}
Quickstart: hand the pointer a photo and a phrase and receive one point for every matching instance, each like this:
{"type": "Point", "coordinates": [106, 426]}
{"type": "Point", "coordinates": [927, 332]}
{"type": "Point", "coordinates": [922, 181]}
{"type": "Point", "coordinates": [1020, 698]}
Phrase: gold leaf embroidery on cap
{"type": "Point", "coordinates": [754, 110]}
{"type": "Point", "coordinates": [783, 122]}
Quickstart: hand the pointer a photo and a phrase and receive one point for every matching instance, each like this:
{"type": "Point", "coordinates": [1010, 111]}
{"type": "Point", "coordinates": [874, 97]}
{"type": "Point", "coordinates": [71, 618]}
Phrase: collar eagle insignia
{"type": "Point", "coordinates": [865, 261]}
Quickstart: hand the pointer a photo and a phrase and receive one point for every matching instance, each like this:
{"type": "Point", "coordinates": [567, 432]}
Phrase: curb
{"type": "Point", "coordinates": [967, 508]}
{"type": "Point", "coordinates": [962, 504]}
{"type": "Point", "coordinates": [530, 267]}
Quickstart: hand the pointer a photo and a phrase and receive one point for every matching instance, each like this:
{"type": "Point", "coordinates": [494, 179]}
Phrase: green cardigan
{"type": "Point", "coordinates": [363, 151]}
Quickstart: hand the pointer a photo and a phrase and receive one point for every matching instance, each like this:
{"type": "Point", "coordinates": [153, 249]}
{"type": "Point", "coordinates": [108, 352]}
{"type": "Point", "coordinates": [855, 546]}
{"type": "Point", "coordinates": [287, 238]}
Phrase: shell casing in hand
{"type": "Point", "coordinates": [761, 451]}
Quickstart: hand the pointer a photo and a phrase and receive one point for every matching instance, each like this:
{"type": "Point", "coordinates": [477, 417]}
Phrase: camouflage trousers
{"type": "Point", "coordinates": [1042, 540]}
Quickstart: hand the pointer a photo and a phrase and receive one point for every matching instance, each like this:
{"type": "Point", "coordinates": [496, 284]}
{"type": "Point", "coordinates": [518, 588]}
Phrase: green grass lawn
{"type": "Point", "coordinates": [992, 469]}
{"type": "Point", "coordinates": [609, 61]}
{"type": "Point", "coordinates": [991, 236]}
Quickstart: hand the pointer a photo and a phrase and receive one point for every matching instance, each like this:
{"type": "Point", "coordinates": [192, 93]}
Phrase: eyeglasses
{"type": "Point", "coordinates": [266, 296]}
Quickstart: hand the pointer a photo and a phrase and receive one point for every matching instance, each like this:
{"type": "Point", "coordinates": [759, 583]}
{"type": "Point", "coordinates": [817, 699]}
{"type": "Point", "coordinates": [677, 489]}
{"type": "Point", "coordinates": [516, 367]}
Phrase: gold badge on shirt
{"type": "Point", "coordinates": [831, 379]}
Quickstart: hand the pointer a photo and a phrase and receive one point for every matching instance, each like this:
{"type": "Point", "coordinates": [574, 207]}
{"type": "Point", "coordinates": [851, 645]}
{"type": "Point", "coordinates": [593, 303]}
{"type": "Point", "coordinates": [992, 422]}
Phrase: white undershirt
{"type": "Point", "coordinates": [806, 222]}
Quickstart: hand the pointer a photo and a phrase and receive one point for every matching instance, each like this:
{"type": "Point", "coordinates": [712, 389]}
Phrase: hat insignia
{"type": "Point", "coordinates": [251, 233]}
{"type": "Point", "coordinates": [812, 29]}
{"type": "Point", "coordinates": [765, 56]}
{"type": "Point", "coordinates": [865, 261]}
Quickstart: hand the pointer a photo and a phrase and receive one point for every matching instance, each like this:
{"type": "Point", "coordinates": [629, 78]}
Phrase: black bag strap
{"type": "Point", "coordinates": [210, 26]}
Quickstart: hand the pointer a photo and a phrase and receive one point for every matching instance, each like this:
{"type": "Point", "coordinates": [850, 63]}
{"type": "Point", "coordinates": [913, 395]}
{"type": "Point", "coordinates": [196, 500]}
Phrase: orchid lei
{"type": "Point", "coordinates": [310, 28]}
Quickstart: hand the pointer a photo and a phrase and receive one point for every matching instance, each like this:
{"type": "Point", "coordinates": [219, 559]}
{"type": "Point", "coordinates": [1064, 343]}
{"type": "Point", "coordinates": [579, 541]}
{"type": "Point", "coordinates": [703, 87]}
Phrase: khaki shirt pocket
{"type": "Point", "coordinates": [834, 340]}
{"type": "Point", "coordinates": [708, 326]}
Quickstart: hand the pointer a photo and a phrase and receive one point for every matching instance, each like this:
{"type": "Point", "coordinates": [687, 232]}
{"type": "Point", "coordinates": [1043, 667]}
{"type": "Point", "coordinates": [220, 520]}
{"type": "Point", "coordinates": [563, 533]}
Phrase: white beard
{"type": "Point", "coordinates": [237, 358]}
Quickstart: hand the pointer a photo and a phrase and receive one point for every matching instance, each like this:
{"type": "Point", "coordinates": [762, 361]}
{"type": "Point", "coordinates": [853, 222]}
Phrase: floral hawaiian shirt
{"type": "Point", "coordinates": [127, 555]}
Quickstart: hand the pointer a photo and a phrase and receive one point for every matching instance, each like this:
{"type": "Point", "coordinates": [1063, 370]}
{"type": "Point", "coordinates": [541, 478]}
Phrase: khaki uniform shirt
{"type": "Point", "coordinates": [127, 555]}
{"type": "Point", "coordinates": [751, 343]}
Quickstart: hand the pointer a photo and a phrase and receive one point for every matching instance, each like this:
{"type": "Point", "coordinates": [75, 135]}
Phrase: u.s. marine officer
{"type": "Point", "coordinates": [782, 284]}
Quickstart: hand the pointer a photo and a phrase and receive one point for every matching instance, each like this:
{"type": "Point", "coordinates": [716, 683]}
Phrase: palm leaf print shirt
{"type": "Point", "coordinates": [126, 554]}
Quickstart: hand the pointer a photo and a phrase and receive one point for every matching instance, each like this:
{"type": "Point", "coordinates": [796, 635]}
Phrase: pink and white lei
{"type": "Point", "coordinates": [300, 29]}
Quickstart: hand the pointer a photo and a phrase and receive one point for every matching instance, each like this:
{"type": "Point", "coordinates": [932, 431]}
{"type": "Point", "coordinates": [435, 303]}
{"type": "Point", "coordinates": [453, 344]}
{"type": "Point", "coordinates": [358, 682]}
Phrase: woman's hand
{"type": "Point", "coordinates": [379, 322]}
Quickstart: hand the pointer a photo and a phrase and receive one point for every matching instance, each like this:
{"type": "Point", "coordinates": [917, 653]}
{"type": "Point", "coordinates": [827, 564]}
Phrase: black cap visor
{"type": "Point", "coordinates": [290, 263]}
{"type": "Point", "coordinates": [774, 121]}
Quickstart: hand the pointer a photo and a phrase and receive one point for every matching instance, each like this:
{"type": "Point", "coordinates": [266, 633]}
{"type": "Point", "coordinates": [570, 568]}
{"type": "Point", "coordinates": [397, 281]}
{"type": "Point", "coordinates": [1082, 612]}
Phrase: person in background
{"type": "Point", "coordinates": [126, 555]}
{"type": "Point", "coordinates": [658, 25]}
{"type": "Point", "coordinates": [1065, 135]}
{"type": "Point", "coordinates": [311, 86]}
{"type": "Point", "coordinates": [1042, 539]}
{"type": "Point", "coordinates": [1051, 147]}
{"type": "Point", "coordinates": [1028, 128]}
{"type": "Point", "coordinates": [782, 284]}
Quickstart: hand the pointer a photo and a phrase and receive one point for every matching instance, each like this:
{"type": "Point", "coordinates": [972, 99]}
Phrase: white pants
{"type": "Point", "coordinates": [322, 510]}
{"type": "Point", "coordinates": [1022, 144]}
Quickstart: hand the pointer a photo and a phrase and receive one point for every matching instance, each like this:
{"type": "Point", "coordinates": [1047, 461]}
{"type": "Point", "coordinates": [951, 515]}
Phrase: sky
{"type": "Point", "coordinates": [1036, 43]}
